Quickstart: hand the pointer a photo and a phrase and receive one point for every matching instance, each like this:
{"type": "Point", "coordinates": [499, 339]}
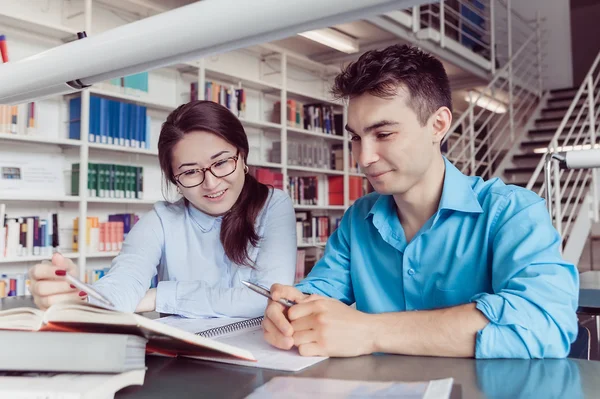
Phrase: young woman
{"type": "Point", "coordinates": [227, 227]}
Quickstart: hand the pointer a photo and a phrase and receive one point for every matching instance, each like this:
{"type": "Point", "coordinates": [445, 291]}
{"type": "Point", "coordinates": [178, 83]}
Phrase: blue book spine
{"type": "Point", "coordinates": [142, 127]}
{"type": "Point", "coordinates": [148, 132]}
{"type": "Point", "coordinates": [94, 131]}
{"type": "Point", "coordinates": [104, 122]}
{"type": "Point", "coordinates": [75, 118]}
{"type": "Point", "coordinates": [122, 123]}
{"type": "Point", "coordinates": [131, 128]}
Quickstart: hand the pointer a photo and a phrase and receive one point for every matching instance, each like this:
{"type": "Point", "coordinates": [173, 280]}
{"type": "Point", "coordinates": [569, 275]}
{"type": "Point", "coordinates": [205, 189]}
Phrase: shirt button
{"type": "Point", "coordinates": [411, 272]}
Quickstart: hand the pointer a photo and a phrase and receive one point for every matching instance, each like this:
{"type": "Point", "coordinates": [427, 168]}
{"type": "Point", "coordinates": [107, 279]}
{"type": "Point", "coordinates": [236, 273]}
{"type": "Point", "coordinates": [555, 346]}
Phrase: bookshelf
{"type": "Point", "coordinates": [269, 73]}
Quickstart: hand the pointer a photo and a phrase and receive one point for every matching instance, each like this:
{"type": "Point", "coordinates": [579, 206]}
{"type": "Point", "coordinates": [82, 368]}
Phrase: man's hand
{"type": "Point", "coordinates": [277, 329]}
{"type": "Point", "coordinates": [327, 327]}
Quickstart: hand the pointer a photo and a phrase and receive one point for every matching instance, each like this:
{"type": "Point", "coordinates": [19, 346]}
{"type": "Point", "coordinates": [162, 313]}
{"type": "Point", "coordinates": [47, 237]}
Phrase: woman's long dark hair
{"type": "Point", "coordinates": [237, 227]}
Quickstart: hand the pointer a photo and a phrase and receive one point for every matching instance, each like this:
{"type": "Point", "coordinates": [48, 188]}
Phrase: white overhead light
{"type": "Point", "coordinates": [334, 39]}
{"type": "Point", "coordinates": [579, 147]}
{"type": "Point", "coordinates": [486, 102]}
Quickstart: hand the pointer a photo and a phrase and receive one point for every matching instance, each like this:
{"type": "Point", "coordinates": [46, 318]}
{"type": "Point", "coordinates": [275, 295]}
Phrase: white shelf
{"type": "Point", "coordinates": [38, 140]}
{"type": "Point", "coordinates": [249, 83]}
{"type": "Point", "coordinates": [357, 174]}
{"type": "Point", "coordinates": [315, 134]}
{"type": "Point", "coordinates": [120, 148]}
{"type": "Point", "coordinates": [33, 198]}
{"type": "Point", "coordinates": [272, 165]}
{"type": "Point", "coordinates": [320, 207]}
{"type": "Point", "coordinates": [316, 170]}
{"type": "Point", "coordinates": [97, 255]}
{"type": "Point", "coordinates": [309, 98]}
{"type": "Point", "coordinates": [95, 200]}
{"type": "Point", "coordinates": [260, 124]}
{"type": "Point", "coordinates": [42, 28]}
{"type": "Point", "coordinates": [131, 98]}
{"type": "Point", "coordinates": [37, 258]}
{"type": "Point", "coordinates": [317, 244]}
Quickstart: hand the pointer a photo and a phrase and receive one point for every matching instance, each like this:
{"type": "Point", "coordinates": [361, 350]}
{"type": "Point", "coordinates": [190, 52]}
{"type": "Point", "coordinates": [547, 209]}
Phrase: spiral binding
{"type": "Point", "coordinates": [229, 328]}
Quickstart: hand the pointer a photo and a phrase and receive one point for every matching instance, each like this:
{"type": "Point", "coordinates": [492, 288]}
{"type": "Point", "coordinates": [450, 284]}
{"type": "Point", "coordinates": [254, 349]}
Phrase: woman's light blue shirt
{"type": "Point", "coordinates": [196, 279]}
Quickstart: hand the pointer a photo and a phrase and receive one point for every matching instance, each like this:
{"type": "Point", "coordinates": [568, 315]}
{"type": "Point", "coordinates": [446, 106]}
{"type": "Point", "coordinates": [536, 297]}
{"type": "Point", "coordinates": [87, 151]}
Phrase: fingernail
{"type": "Point", "coordinates": [82, 293]}
{"type": "Point", "coordinates": [60, 272]}
{"type": "Point", "coordinates": [72, 286]}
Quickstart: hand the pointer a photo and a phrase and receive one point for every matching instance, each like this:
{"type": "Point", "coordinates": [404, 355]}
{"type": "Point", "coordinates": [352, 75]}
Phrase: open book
{"type": "Point", "coordinates": [246, 334]}
{"type": "Point", "coordinates": [82, 317]}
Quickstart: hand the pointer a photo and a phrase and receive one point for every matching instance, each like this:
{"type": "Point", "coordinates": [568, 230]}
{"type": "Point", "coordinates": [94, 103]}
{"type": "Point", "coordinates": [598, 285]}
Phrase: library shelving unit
{"type": "Point", "coordinates": [268, 73]}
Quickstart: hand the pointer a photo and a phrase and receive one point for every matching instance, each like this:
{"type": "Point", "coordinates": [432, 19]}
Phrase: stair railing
{"type": "Point", "coordinates": [494, 119]}
{"type": "Point", "coordinates": [570, 187]}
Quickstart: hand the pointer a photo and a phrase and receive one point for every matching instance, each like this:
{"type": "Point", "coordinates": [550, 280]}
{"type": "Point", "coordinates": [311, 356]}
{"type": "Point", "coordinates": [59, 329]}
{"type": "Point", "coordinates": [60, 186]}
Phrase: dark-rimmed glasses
{"type": "Point", "coordinates": [195, 177]}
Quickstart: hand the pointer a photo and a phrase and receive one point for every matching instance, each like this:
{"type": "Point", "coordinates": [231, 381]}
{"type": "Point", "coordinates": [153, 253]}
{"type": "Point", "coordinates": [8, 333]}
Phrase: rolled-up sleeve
{"type": "Point", "coordinates": [331, 274]}
{"type": "Point", "coordinates": [532, 309]}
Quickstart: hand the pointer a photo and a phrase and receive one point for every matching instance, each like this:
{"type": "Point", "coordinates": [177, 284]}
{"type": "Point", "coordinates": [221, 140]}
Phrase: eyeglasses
{"type": "Point", "coordinates": [195, 177]}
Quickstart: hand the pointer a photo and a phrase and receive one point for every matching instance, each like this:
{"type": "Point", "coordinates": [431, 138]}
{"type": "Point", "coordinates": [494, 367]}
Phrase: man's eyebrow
{"type": "Point", "coordinates": [374, 126]}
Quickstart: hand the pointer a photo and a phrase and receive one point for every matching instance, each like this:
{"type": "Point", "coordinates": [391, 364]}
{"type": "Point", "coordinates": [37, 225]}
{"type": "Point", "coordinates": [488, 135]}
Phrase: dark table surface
{"type": "Point", "coordinates": [500, 378]}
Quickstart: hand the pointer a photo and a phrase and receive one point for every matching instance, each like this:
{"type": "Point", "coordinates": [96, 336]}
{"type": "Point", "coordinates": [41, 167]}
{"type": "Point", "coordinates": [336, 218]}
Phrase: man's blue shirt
{"type": "Point", "coordinates": [488, 243]}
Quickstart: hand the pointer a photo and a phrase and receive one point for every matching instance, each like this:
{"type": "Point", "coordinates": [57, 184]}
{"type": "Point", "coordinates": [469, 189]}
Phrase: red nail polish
{"type": "Point", "coordinates": [72, 286]}
{"type": "Point", "coordinates": [60, 272]}
{"type": "Point", "coordinates": [82, 293]}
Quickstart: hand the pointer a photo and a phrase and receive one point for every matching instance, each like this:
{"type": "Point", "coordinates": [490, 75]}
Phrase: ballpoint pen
{"type": "Point", "coordinates": [266, 293]}
{"type": "Point", "coordinates": [86, 288]}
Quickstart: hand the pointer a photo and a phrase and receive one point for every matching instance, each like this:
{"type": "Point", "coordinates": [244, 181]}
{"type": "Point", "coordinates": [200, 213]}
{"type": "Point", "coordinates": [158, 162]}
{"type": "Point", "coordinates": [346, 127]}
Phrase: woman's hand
{"type": "Point", "coordinates": [47, 285]}
{"type": "Point", "coordinates": [148, 302]}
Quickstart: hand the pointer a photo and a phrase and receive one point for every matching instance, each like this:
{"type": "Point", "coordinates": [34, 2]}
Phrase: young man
{"type": "Point", "coordinates": [438, 263]}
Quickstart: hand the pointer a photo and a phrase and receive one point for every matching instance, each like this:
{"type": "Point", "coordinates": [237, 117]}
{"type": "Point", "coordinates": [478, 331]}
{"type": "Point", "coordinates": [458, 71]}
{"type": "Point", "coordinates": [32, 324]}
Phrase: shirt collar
{"type": "Point", "coordinates": [457, 194]}
{"type": "Point", "coordinates": [204, 221]}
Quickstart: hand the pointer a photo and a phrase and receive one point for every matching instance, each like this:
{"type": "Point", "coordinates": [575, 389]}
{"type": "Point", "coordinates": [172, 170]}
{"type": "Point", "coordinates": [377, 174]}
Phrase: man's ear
{"type": "Point", "coordinates": [441, 121]}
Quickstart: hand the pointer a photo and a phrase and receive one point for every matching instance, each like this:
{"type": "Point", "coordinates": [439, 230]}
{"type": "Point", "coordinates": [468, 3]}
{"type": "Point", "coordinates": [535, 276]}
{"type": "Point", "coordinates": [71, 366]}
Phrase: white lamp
{"type": "Point", "coordinates": [486, 102]}
{"type": "Point", "coordinates": [183, 34]}
{"type": "Point", "coordinates": [334, 39]}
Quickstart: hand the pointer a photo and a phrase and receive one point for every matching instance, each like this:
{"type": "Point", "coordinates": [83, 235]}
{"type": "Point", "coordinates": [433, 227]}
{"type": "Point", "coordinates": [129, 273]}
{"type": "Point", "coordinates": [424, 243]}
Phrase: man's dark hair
{"type": "Point", "coordinates": [381, 72]}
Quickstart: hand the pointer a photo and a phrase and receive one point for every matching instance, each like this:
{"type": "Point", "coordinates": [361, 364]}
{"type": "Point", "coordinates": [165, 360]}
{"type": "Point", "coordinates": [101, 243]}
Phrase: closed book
{"type": "Point", "coordinates": [84, 317]}
{"type": "Point", "coordinates": [72, 352]}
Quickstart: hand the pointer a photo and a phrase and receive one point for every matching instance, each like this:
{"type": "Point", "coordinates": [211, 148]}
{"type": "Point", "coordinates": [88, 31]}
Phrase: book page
{"type": "Point", "coordinates": [299, 387]}
{"type": "Point", "coordinates": [267, 356]}
{"type": "Point", "coordinates": [28, 319]}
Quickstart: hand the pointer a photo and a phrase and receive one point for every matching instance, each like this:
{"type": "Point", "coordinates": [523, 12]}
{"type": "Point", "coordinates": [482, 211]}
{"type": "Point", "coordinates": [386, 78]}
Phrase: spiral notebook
{"type": "Point", "coordinates": [246, 334]}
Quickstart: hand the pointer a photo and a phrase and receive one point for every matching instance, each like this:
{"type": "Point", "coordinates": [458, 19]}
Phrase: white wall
{"type": "Point", "coordinates": [557, 38]}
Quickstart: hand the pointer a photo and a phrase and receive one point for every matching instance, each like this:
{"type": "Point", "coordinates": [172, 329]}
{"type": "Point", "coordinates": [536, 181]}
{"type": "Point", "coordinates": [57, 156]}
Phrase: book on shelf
{"type": "Point", "coordinates": [304, 190]}
{"type": "Point", "coordinates": [310, 153]}
{"type": "Point", "coordinates": [318, 118]}
{"type": "Point", "coordinates": [111, 122]}
{"type": "Point", "coordinates": [234, 99]}
{"type": "Point", "coordinates": [312, 229]}
{"type": "Point", "coordinates": [110, 181]}
{"type": "Point", "coordinates": [84, 317]}
{"type": "Point", "coordinates": [27, 235]}
{"type": "Point", "coordinates": [62, 352]}
{"type": "Point", "coordinates": [104, 236]}
{"type": "Point", "coordinates": [14, 284]}
{"type": "Point", "coordinates": [67, 385]}
{"type": "Point", "coordinates": [300, 266]}
{"type": "Point", "coordinates": [337, 159]}
{"type": "Point", "coordinates": [358, 186]}
{"type": "Point", "coordinates": [267, 176]}
{"type": "Point", "coordinates": [134, 85]}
